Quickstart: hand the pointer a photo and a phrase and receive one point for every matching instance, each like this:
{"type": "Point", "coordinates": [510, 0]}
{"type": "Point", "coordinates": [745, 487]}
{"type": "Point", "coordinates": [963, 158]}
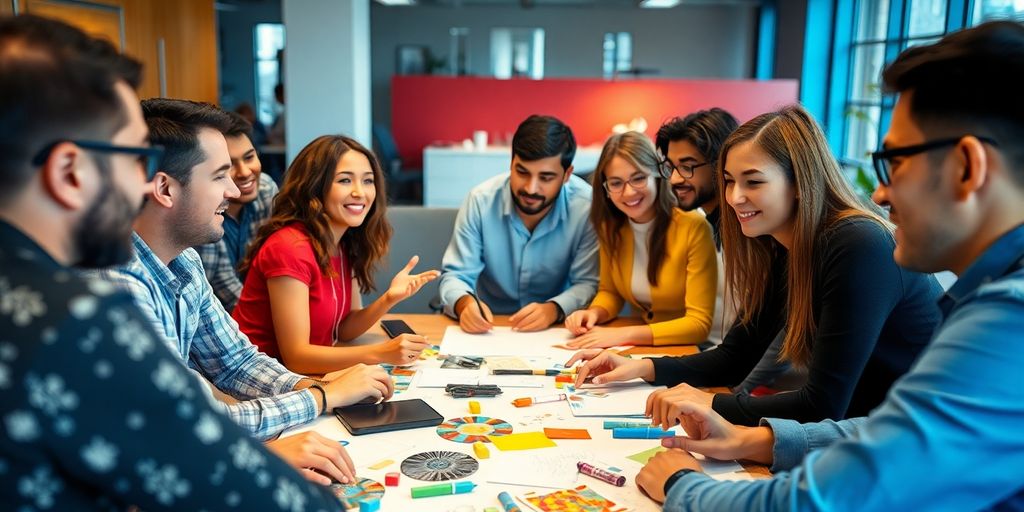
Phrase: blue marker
{"type": "Point", "coordinates": [507, 503]}
{"type": "Point", "coordinates": [641, 433]}
{"type": "Point", "coordinates": [610, 424]}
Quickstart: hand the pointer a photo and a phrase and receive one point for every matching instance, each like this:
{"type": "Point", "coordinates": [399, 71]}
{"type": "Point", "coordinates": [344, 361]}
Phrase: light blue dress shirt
{"type": "Point", "coordinates": [494, 255]}
{"type": "Point", "coordinates": [949, 436]}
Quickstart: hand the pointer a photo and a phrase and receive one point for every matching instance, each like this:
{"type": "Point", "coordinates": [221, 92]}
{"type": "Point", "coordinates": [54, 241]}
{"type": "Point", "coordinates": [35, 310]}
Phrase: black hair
{"type": "Point", "coordinates": [705, 129]}
{"type": "Point", "coordinates": [239, 126]}
{"type": "Point", "coordinates": [56, 84]}
{"type": "Point", "coordinates": [544, 137]}
{"type": "Point", "coordinates": [970, 82]}
{"type": "Point", "coordinates": [175, 125]}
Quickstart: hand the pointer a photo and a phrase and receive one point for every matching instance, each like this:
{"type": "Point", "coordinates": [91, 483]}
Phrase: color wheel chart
{"type": "Point", "coordinates": [439, 466]}
{"type": "Point", "coordinates": [471, 429]}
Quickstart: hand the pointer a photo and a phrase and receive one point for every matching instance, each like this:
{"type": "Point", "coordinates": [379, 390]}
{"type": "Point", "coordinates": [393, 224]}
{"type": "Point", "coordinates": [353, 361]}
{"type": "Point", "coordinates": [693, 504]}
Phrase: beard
{"type": "Point", "coordinates": [528, 210]}
{"type": "Point", "coordinates": [103, 237]}
{"type": "Point", "coordinates": [700, 196]}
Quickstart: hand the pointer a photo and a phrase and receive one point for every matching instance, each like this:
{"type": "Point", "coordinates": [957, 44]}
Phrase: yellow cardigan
{"type": "Point", "coordinates": [683, 302]}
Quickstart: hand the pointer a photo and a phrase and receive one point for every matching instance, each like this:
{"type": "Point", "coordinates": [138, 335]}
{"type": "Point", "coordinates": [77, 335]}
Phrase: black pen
{"type": "Point", "coordinates": [479, 306]}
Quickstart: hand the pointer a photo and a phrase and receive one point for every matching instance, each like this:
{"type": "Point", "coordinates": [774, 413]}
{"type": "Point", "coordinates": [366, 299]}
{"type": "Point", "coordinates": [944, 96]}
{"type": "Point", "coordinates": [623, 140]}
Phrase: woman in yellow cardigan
{"type": "Point", "coordinates": [656, 257]}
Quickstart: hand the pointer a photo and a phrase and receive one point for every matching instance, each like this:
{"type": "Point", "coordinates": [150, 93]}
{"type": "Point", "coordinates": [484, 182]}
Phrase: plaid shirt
{"type": "Point", "coordinates": [221, 258]}
{"type": "Point", "coordinates": [178, 301]}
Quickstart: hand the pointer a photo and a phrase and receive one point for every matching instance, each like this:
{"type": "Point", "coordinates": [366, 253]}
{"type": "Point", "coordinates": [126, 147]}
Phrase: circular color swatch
{"type": "Point", "coordinates": [471, 429]}
{"type": "Point", "coordinates": [351, 494]}
{"type": "Point", "coordinates": [439, 466]}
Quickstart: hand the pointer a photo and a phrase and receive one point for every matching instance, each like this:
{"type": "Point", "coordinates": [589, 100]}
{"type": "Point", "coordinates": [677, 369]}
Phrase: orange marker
{"type": "Point", "coordinates": [525, 402]}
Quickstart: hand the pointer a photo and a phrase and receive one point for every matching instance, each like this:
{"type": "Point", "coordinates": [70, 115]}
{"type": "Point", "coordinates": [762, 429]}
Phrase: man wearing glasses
{"type": "Point", "coordinates": [92, 401]}
{"type": "Point", "coordinates": [948, 435]}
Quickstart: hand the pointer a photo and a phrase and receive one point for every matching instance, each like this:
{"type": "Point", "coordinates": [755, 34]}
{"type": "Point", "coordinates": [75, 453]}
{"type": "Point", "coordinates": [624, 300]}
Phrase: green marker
{"type": "Point", "coordinates": [442, 489]}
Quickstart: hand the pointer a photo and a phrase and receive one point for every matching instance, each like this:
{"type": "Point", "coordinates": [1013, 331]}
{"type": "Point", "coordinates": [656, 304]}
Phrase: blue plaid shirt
{"type": "Point", "coordinates": [179, 302]}
{"type": "Point", "coordinates": [221, 258]}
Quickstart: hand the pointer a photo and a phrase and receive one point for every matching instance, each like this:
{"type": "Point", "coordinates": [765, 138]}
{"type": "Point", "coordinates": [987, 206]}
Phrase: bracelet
{"type": "Point", "coordinates": [676, 476]}
{"type": "Point", "coordinates": [323, 396]}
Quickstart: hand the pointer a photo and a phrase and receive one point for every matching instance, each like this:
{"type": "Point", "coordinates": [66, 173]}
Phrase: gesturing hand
{"type": "Point", "coordinates": [405, 285]}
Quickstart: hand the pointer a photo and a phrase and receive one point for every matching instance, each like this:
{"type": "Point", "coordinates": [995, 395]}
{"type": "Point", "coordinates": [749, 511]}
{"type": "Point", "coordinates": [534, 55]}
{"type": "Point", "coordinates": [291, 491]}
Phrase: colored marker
{"type": "Point", "coordinates": [641, 433]}
{"type": "Point", "coordinates": [524, 402]}
{"type": "Point", "coordinates": [508, 503]}
{"type": "Point", "coordinates": [601, 474]}
{"type": "Point", "coordinates": [610, 424]}
{"type": "Point", "coordinates": [444, 489]}
{"type": "Point", "coordinates": [524, 371]}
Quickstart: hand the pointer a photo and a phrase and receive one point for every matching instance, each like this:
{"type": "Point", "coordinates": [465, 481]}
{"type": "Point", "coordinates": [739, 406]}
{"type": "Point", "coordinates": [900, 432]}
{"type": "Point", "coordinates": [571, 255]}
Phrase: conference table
{"type": "Point", "coordinates": [376, 455]}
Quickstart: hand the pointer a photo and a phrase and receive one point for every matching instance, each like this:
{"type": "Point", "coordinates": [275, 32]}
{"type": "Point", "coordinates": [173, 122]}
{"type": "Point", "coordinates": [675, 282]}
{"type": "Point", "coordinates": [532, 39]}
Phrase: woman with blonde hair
{"type": "Point", "coordinates": [659, 259]}
{"type": "Point", "coordinates": [309, 261]}
{"type": "Point", "coordinates": [803, 253]}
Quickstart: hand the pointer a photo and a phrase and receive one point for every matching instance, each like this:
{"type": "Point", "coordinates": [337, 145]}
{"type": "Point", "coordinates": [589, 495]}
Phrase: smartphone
{"type": "Point", "coordinates": [395, 328]}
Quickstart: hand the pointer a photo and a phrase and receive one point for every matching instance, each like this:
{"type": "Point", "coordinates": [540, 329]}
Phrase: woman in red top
{"type": "Point", "coordinates": [326, 235]}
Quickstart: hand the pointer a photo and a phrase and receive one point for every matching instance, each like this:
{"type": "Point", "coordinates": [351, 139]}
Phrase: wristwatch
{"type": "Point", "coordinates": [560, 317]}
{"type": "Point", "coordinates": [676, 476]}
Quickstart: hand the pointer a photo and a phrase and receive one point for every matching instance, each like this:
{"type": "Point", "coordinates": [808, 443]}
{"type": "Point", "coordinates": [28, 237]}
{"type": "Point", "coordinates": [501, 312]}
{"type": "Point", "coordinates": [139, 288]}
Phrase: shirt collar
{"type": "Point", "coordinates": [170, 279]}
{"type": "Point", "coordinates": [19, 245]}
{"type": "Point", "coordinates": [1000, 258]}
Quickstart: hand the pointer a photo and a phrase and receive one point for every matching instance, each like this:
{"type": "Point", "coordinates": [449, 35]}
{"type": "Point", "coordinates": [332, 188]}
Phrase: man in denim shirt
{"type": "Point", "coordinates": [523, 244]}
{"type": "Point", "coordinates": [948, 435]}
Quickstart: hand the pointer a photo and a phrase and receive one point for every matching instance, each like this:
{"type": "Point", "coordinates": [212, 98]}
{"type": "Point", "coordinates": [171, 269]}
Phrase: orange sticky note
{"type": "Point", "coordinates": [524, 441]}
{"type": "Point", "coordinates": [567, 433]}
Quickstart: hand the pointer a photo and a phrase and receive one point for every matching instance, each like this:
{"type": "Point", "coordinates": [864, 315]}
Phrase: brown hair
{"type": "Point", "coordinates": [793, 140]}
{"type": "Point", "coordinates": [608, 220]}
{"type": "Point", "coordinates": [301, 199]}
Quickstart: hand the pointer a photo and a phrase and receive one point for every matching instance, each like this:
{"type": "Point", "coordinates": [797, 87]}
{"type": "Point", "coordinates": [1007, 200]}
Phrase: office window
{"type": "Point", "coordinates": [269, 45]}
{"type": "Point", "coordinates": [985, 10]}
{"type": "Point", "coordinates": [618, 53]}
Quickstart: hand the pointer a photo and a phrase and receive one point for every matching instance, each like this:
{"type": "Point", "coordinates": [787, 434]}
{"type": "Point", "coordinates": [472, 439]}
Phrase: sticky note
{"type": "Point", "coordinates": [391, 479]}
{"type": "Point", "coordinates": [481, 451]}
{"type": "Point", "coordinates": [567, 433]}
{"type": "Point", "coordinates": [382, 464]}
{"type": "Point", "coordinates": [474, 407]}
{"type": "Point", "coordinates": [646, 455]}
{"type": "Point", "coordinates": [524, 441]}
{"type": "Point", "coordinates": [559, 385]}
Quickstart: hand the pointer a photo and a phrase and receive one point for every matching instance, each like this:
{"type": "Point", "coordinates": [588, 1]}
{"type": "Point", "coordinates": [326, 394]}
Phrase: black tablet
{"type": "Point", "coordinates": [387, 416]}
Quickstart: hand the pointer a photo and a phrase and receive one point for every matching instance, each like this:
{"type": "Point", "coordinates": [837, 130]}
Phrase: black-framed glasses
{"type": "Point", "coordinates": [685, 171]}
{"type": "Point", "coordinates": [882, 159]}
{"type": "Point", "coordinates": [148, 156]}
{"type": "Point", "coordinates": [636, 182]}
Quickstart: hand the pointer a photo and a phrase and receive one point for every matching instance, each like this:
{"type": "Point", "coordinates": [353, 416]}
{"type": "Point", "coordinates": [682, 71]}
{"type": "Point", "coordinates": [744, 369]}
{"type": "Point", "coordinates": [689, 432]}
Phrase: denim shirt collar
{"type": "Point", "coordinates": [1002, 257]}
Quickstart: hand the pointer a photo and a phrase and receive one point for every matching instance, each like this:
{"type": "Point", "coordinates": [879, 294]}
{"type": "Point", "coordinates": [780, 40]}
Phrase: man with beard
{"type": "Point", "coordinates": [244, 215]}
{"type": "Point", "coordinates": [96, 412]}
{"type": "Point", "coordinates": [187, 199]}
{"type": "Point", "coordinates": [523, 244]}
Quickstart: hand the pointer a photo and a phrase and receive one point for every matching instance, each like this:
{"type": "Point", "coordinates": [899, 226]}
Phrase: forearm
{"type": "Point", "coordinates": [635, 334]}
{"type": "Point", "coordinates": [318, 359]}
{"type": "Point", "coordinates": [686, 330]}
{"type": "Point", "coordinates": [359, 321]}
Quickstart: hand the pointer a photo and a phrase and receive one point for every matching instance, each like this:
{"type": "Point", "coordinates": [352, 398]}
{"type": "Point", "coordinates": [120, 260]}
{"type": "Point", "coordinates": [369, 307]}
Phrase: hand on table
{"type": "Point", "coordinates": [402, 349]}
{"type": "Point", "coordinates": [581, 322]}
{"type": "Point", "coordinates": [471, 319]}
{"type": "Point", "coordinates": [665, 405]}
{"type": "Point", "coordinates": [534, 316]}
{"type": "Point", "coordinates": [310, 451]}
{"type": "Point", "coordinates": [405, 285]}
{"type": "Point", "coordinates": [360, 382]}
{"type": "Point", "coordinates": [651, 479]}
{"type": "Point", "coordinates": [608, 366]}
{"type": "Point", "coordinates": [600, 337]}
{"type": "Point", "coordinates": [711, 435]}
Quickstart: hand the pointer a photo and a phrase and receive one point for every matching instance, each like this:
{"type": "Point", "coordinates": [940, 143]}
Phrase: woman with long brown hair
{"type": "Point", "coordinates": [656, 257]}
{"type": "Point", "coordinates": [306, 265]}
{"type": "Point", "coordinates": [802, 253]}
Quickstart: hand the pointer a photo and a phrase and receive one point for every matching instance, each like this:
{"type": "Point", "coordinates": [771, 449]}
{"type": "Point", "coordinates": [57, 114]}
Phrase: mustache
{"type": "Point", "coordinates": [524, 195]}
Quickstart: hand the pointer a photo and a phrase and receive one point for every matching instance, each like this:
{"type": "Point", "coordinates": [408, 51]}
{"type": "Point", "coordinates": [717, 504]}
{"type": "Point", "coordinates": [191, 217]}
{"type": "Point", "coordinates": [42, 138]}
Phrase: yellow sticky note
{"type": "Point", "coordinates": [523, 441]}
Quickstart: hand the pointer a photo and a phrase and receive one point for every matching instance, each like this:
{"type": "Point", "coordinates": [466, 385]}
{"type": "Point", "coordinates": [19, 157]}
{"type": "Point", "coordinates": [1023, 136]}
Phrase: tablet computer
{"type": "Point", "coordinates": [387, 416]}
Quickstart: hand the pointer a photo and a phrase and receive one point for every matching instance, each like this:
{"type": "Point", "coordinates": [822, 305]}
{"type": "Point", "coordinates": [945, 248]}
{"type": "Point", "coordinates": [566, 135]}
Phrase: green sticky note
{"type": "Point", "coordinates": [646, 455]}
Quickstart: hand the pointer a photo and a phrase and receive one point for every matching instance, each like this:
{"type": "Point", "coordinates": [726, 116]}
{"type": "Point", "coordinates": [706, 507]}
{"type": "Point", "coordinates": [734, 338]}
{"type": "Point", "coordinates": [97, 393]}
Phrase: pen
{"type": "Point", "coordinates": [523, 371]}
{"type": "Point", "coordinates": [507, 503]}
{"type": "Point", "coordinates": [641, 433]}
{"type": "Point", "coordinates": [479, 306]}
{"type": "Point", "coordinates": [444, 489]}
{"type": "Point", "coordinates": [523, 402]}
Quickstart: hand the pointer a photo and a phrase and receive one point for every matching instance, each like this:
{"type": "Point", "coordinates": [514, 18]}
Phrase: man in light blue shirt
{"type": "Point", "coordinates": [523, 244]}
{"type": "Point", "coordinates": [948, 436]}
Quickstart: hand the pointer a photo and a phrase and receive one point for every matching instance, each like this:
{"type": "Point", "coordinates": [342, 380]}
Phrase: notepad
{"type": "Point", "coordinates": [523, 441]}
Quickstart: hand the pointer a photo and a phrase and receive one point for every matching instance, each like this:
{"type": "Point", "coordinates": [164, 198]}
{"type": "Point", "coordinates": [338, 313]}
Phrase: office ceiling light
{"type": "Point", "coordinates": [396, 2]}
{"type": "Point", "coordinates": [658, 4]}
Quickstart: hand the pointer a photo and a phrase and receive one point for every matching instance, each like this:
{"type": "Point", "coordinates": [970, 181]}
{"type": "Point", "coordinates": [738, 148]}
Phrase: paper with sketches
{"type": "Point", "coordinates": [617, 399]}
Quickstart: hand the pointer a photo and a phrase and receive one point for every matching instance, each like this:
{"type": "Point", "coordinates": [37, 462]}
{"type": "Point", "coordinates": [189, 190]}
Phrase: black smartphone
{"type": "Point", "coordinates": [395, 328]}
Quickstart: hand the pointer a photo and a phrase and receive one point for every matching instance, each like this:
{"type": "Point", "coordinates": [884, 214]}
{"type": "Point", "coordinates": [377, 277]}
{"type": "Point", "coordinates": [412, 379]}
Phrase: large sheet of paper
{"type": "Point", "coordinates": [616, 399]}
{"type": "Point", "coordinates": [503, 341]}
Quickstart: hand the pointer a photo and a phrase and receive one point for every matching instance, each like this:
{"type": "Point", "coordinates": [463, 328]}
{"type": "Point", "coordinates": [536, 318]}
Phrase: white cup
{"type": "Point", "coordinates": [480, 139]}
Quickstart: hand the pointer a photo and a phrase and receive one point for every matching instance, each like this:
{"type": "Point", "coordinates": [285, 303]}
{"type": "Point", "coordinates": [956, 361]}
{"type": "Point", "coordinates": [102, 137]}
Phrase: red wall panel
{"type": "Point", "coordinates": [431, 109]}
